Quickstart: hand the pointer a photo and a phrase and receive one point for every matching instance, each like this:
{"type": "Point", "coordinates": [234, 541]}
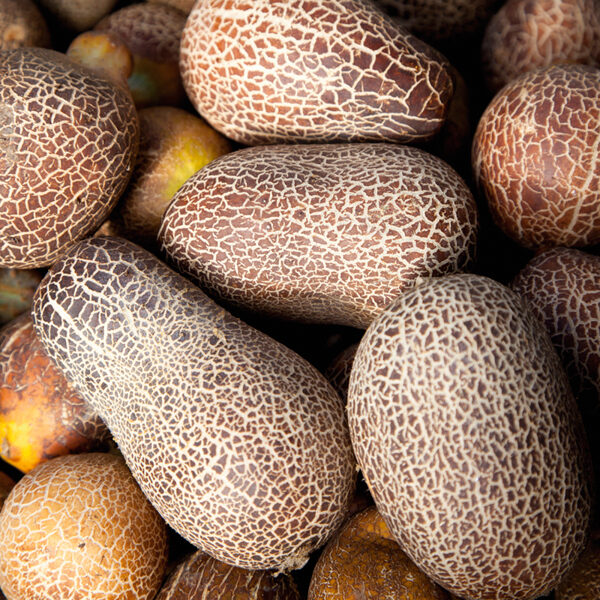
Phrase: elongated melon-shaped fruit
{"type": "Point", "coordinates": [321, 233]}
{"type": "Point", "coordinates": [239, 443]}
{"type": "Point", "coordinates": [266, 71]}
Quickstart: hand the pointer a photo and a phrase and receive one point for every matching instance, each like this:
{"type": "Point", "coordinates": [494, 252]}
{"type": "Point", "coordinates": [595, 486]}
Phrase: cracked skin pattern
{"type": "Point", "coordinates": [530, 34]}
{"type": "Point", "coordinates": [79, 528]}
{"type": "Point", "coordinates": [535, 156]}
{"type": "Point", "coordinates": [68, 141]}
{"type": "Point", "coordinates": [327, 233]}
{"type": "Point", "coordinates": [264, 71]}
{"type": "Point", "coordinates": [363, 561]}
{"type": "Point", "coordinates": [562, 286]}
{"type": "Point", "coordinates": [240, 444]}
{"type": "Point", "coordinates": [200, 577]}
{"type": "Point", "coordinates": [467, 432]}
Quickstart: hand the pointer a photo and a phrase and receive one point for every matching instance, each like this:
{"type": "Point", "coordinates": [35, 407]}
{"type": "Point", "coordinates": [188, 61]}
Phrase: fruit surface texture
{"type": "Point", "coordinates": [277, 71]}
{"type": "Point", "coordinates": [535, 157]}
{"type": "Point", "coordinates": [79, 526]}
{"type": "Point", "coordinates": [467, 432]}
{"type": "Point", "coordinates": [239, 443]}
{"type": "Point", "coordinates": [68, 140]}
{"type": "Point", "coordinates": [327, 233]}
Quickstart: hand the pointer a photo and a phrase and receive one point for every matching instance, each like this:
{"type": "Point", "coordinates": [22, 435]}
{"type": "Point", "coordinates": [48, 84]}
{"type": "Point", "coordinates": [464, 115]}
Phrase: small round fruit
{"type": "Point", "coordinates": [174, 144]}
{"type": "Point", "coordinates": [525, 35]}
{"type": "Point", "coordinates": [152, 33]}
{"type": "Point", "coordinates": [41, 414]}
{"type": "Point", "coordinates": [200, 576]}
{"type": "Point", "coordinates": [535, 157]}
{"type": "Point", "coordinates": [78, 526]}
{"type": "Point", "coordinates": [363, 560]}
{"type": "Point", "coordinates": [467, 433]}
{"type": "Point", "coordinates": [22, 24]}
{"type": "Point", "coordinates": [68, 142]}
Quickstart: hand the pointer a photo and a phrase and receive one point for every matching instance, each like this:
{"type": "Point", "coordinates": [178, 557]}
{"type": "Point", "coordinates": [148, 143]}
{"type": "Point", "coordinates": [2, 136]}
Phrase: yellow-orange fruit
{"type": "Point", "coordinates": [174, 144]}
{"type": "Point", "coordinates": [364, 561]}
{"type": "Point", "coordinates": [200, 576]}
{"type": "Point", "coordinates": [22, 24]}
{"type": "Point", "coordinates": [79, 526]}
{"type": "Point", "coordinates": [41, 414]}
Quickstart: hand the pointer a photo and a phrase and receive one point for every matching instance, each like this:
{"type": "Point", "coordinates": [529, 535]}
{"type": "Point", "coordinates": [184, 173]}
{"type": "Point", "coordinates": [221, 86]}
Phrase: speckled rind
{"type": "Point", "coordinates": [465, 428]}
{"type": "Point", "coordinates": [337, 70]}
{"type": "Point", "coordinates": [535, 157]}
{"type": "Point", "coordinates": [323, 233]}
{"type": "Point", "coordinates": [530, 34]}
{"type": "Point", "coordinates": [68, 141]}
{"type": "Point", "coordinates": [562, 286]}
{"type": "Point", "coordinates": [239, 443]}
{"type": "Point", "coordinates": [79, 528]}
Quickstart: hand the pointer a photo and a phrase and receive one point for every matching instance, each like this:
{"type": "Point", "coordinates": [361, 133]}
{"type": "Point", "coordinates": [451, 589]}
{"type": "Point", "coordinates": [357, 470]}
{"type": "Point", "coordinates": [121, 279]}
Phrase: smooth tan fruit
{"type": "Point", "coordinates": [22, 24]}
{"type": "Point", "coordinates": [525, 35]}
{"type": "Point", "coordinates": [200, 577]}
{"type": "Point", "coordinates": [68, 141]}
{"type": "Point", "coordinates": [78, 526]}
{"type": "Point", "coordinates": [322, 233]}
{"type": "Point", "coordinates": [174, 144]}
{"type": "Point", "coordinates": [41, 415]}
{"type": "Point", "coordinates": [466, 430]}
{"type": "Point", "coordinates": [535, 157]}
{"type": "Point", "coordinates": [273, 71]}
{"type": "Point", "coordinates": [152, 33]}
{"type": "Point", "coordinates": [239, 443]}
{"type": "Point", "coordinates": [363, 560]}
